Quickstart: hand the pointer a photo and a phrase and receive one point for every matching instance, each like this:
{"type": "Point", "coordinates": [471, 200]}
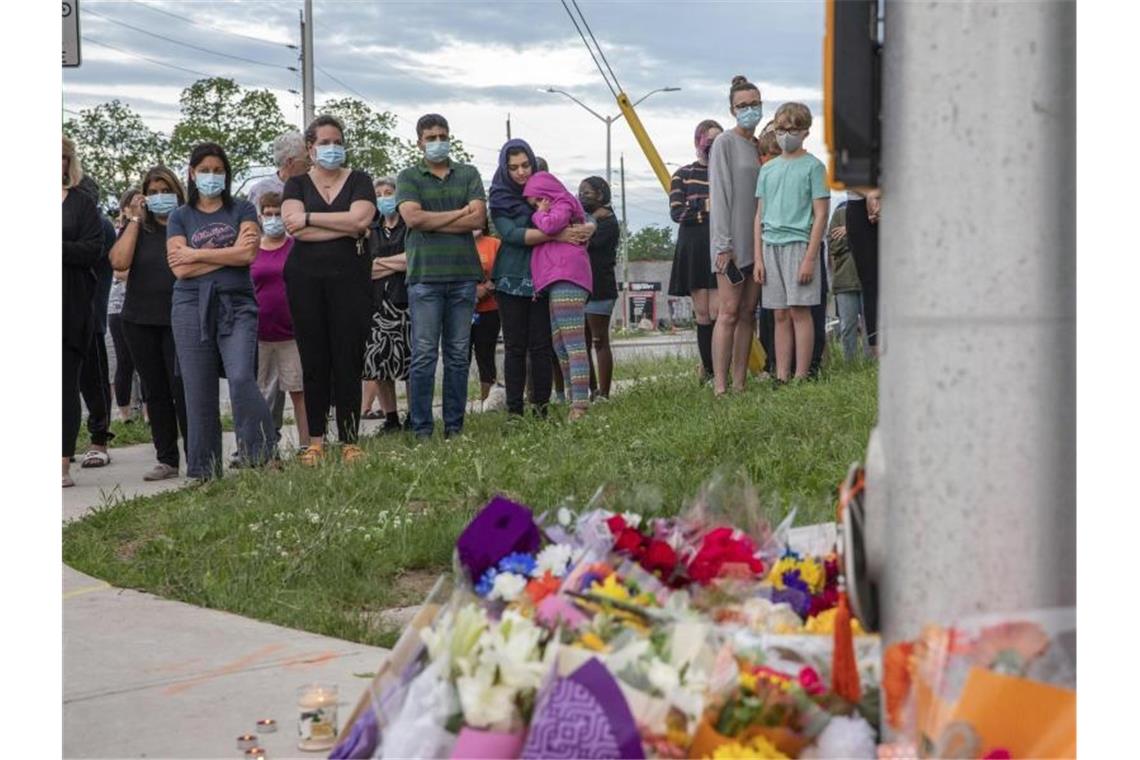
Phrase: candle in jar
{"type": "Point", "coordinates": [255, 752]}
{"type": "Point", "coordinates": [266, 726]}
{"type": "Point", "coordinates": [317, 716]}
{"type": "Point", "coordinates": [246, 741]}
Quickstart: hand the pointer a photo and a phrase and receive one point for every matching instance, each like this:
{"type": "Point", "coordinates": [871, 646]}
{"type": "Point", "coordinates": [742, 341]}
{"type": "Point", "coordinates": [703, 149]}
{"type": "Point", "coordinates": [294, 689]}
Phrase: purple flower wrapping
{"type": "Point", "coordinates": [500, 528]}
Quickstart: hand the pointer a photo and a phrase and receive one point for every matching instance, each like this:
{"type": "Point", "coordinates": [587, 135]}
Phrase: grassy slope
{"type": "Point", "coordinates": [325, 549]}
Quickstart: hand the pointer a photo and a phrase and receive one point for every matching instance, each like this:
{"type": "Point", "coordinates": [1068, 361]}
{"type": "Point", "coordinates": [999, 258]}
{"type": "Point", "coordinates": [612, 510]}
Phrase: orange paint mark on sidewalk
{"type": "Point", "coordinates": [225, 670]}
{"type": "Point", "coordinates": [313, 660]}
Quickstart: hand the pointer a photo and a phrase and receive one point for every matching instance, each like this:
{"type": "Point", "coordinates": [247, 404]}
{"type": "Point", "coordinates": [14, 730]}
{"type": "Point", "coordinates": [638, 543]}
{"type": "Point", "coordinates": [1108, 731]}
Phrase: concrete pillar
{"type": "Point", "coordinates": [971, 501]}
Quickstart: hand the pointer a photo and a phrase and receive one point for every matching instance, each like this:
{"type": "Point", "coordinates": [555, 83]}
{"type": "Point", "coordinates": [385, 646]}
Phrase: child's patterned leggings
{"type": "Point", "coordinates": [568, 333]}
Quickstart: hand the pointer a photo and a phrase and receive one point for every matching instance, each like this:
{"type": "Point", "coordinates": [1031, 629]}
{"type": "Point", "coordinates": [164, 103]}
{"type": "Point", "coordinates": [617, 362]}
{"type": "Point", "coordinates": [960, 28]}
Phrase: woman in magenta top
{"type": "Point", "coordinates": [562, 269]}
{"type": "Point", "coordinates": [278, 361]}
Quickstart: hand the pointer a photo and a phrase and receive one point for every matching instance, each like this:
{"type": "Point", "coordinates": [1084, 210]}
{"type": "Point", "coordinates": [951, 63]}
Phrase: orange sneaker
{"type": "Point", "coordinates": [351, 453]}
{"type": "Point", "coordinates": [311, 456]}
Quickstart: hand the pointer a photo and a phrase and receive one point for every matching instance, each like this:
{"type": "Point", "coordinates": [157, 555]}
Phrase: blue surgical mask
{"type": "Point", "coordinates": [748, 118]}
{"type": "Point", "coordinates": [330, 156]}
{"type": "Point", "coordinates": [788, 142]}
{"type": "Point", "coordinates": [210, 185]}
{"type": "Point", "coordinates": [386, 204]}
{"type": "Point", "coordinates": [437, 151]}
{"type": "Point", "coordinates": [161, 204]}
{"type": "Point", "coordinates": [273, 226]}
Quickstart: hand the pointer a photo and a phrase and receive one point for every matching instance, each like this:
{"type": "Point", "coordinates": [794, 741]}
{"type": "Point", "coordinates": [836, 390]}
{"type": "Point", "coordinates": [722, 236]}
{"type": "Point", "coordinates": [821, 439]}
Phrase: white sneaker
{"type": "Point", "coordinates": [496, 399]}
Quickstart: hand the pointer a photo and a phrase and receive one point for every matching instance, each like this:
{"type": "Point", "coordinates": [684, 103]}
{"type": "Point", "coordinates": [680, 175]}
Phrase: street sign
{"type": "Point", "coordinates": [70, 33]}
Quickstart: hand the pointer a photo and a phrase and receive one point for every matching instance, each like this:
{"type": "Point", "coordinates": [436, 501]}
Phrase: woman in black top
{"type": "Point", "coordinates": [82, 249]}
{"type": "Point", "coordinates": [327, 278]}
{"type": "Point", "coordinates": [689, 208]}
{"type": "Point", "coordinates": [594, 194]}
{"type": "Point", "coordinates": [387, 352]}
{"type": "Point", "coordinates": [141, 251]}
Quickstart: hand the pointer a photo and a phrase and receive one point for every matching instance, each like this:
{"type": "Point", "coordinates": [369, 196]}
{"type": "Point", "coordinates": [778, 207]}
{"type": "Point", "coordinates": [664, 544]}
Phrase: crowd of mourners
{"type": "Point", "coordinates": [332, 286]}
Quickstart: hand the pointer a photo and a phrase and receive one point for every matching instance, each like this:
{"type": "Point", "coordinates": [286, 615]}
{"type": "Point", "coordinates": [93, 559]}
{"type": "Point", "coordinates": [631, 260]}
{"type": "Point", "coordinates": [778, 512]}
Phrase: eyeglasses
{"type": "Point", "coordinates": [786, 132]}
{"type": "Point", "coordinates": [753, 104]}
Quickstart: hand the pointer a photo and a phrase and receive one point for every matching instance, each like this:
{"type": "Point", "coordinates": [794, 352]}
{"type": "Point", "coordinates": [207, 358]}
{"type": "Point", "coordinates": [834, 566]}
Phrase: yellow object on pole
{"type": "Point", "coordinates": [643, 139]}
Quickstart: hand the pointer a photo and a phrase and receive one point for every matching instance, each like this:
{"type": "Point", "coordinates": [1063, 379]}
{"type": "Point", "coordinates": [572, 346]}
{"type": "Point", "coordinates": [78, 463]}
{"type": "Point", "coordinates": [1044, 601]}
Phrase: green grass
{"type": "Point", "coordinates": [325, 549]}
{"type": "Point", "coordinates": [132, 433]}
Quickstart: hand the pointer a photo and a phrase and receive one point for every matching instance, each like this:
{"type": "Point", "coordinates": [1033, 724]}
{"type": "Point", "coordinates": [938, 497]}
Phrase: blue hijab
{"type": "Point", "coordinates": [506, 195]}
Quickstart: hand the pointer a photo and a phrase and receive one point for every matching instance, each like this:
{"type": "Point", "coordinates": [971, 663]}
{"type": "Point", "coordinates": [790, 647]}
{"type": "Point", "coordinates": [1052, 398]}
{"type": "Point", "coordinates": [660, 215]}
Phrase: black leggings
{"type": "Point", "coordinates": [152, 347]}
{"type": "Point", "coordinates": [332, 314]}
{"type": "Point", "coordinates": [526, 331]}
{"type": "Point", "coordinates": [863, 238]}
{"type": "Point", "coordinates": [95, 385]}
{"type": "Point", "coordinates": [124, 364]}
{"type": "Point", "coordinates": [72, 410]}
{"type": "Point", "coordinates": [484, 339]}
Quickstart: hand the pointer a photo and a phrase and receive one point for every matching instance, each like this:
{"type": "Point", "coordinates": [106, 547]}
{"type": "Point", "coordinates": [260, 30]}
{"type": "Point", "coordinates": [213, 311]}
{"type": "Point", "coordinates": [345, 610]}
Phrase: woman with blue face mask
{"type": "Point", "coordinates": [734, 167]}
{"type": "Point", "coordinates": [387, 353]}
{"type": "Point", "coordinates": [210, 243]}
{"type": "Point", "coordinates": [328, 210]}
{"type": "Point", "coordinates": [140, 251]}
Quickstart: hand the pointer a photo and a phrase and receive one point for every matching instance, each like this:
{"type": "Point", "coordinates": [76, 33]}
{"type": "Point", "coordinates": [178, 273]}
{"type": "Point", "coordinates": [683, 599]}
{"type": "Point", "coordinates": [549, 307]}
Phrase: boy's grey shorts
{"type": "Point", "coordinates": [782, 286]}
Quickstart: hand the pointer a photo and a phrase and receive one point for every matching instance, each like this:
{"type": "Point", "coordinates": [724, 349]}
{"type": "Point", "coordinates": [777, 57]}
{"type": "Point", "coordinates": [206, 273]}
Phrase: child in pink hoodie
{"type": "Point", "coordinates": [563, 271]}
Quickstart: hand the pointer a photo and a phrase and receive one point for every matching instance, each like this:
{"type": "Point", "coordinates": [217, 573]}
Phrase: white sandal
{"type": "Point", "coordinates": [95, 458]}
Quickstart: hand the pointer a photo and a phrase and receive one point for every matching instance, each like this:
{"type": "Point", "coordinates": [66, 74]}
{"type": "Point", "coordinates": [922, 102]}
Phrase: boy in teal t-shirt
{"type": "Point", "coordinates": [790, 219]}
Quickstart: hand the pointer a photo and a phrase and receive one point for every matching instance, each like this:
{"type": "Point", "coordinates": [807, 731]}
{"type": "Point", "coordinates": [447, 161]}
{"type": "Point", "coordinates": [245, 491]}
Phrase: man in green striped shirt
{"type": "Point", "coordinates": [442, 202]}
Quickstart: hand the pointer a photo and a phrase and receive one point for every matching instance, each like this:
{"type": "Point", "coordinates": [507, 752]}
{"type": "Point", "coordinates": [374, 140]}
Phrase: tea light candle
{"type": "Point", "coordinates": [246, 741]}
{"type": "Point", "coordinates": [266, 726]}
{"type": "Point", "coordinates": [317, 716]}
{"type": "Point", "coordinates": [256, 752]}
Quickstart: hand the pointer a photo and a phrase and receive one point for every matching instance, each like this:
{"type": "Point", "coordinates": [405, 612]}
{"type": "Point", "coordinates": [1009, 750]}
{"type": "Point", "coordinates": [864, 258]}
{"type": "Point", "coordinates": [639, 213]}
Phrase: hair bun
{"type": "Point", "coordinates": [739, 79]}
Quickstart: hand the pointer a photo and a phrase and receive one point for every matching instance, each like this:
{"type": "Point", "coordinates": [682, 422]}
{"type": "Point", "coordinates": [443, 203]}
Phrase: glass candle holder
{"type": "Point", "coordinates": [316, 717]}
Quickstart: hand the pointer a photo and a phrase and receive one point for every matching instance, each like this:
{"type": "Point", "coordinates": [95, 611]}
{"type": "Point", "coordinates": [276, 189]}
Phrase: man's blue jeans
{"type": "Point", "coordinates": [440, 310]}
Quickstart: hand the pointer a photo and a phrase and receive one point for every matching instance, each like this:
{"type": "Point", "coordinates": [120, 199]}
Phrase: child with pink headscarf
{"type": "Point", "coordinates": [563, 270]}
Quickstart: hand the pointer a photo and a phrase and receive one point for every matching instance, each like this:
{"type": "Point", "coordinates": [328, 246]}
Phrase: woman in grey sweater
{"type": "Point", "coordinates": [734, 166]}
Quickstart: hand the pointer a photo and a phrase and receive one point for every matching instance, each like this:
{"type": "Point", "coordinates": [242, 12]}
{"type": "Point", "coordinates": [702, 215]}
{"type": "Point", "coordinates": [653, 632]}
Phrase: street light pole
{"type": "Point", "coordinates": [608, 120]}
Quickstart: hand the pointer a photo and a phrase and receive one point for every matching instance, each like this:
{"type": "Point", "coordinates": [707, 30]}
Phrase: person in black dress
{"type": "Point", "coordinates": [594, 194]}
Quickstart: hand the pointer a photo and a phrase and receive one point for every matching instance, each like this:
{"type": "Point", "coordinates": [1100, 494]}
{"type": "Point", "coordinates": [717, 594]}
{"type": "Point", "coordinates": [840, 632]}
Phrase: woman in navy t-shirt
{"type": "Point", "coordinates": [210, 243]}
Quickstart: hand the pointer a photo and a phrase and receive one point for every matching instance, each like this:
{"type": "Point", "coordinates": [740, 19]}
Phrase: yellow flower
{"type": "Point", "coordinates": [824, 622]}
{"type": "Point", "coordinates": [591, 640]}
{"type": "Point", "coordinates": [812, 574]}
{"type": "Point", "coordinates": [748, 681]}
{"type": "Point", "coordinates": [611, 589]}
{"type": "Point", "coordinates": [758, 748]}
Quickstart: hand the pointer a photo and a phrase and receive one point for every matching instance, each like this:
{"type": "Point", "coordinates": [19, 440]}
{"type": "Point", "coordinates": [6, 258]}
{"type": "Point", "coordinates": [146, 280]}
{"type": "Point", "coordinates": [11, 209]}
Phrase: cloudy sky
{"type": "Point", "coordinates": [473, 61]}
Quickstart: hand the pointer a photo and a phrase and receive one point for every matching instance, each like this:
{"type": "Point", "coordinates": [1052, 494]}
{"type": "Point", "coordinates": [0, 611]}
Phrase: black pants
{"type": "Point", "coordinates": [72, 410]}
{"type": "Point", "coordinates": [95, 385]}
{"type": "Point", "coordinates": [819, 318]}
{"type": "Point", "coordinates": [124, 364]}
{"type": "Point", "coordinates": [484, 338]}
{"type": "Point", "coordinates": [526, 332]}
{"type": "Point", "coordinates": [863, 238]}
{"type": "Point", "coordinates": [332, 312]}
{"type": "Point", "coordinates": [152, 347]}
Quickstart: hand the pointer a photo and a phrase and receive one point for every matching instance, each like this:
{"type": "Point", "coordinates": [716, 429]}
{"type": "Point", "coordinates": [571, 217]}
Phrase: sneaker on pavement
{"type": "Point", "coordinates": [161, 472]}
{"type": "Point", "coordinates": [68, 482]}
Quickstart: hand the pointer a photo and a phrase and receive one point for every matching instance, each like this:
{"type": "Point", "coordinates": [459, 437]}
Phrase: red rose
{"type": "Point", "coordinates": [811, 682]}
{"type": "Point", "coordinates": [628, 541]}
{"type": "Point", "coordinates": [659, 557]}
{"type": "Point", "coordinates": [616, 524]}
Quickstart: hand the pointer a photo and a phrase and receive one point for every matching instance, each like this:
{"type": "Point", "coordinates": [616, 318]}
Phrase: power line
{"type": "Point", "coordinates": [342, 84]}
{"type": "Point", "coordinates": [588, 48]}
{"type": "Point", "coordinates": [599, 47]}
{"type": "Point", "coordinates": [213, 28]}
{"type": "Point", "coordinates": [148, 60]}
{"type": "Point", "coordinates": [187, 44]}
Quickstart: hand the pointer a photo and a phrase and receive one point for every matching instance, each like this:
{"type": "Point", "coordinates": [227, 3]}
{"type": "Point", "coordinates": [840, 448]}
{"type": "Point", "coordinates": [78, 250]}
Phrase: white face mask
{"type": "Point", "coordinates": [788, 141]}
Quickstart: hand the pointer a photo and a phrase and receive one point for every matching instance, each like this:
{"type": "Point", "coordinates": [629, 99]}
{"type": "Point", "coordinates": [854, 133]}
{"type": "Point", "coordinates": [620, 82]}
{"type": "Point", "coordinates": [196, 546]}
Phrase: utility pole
{"type": "Point", "coordinates": [508, 125]}
{"type": "Point", "coordinates": [971, 472]}
{"type": "Point", "coordinates": [307, 64]}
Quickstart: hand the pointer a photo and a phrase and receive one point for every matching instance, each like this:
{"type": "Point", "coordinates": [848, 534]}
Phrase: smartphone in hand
{"type": "Point", "coordinates": [733, 273]}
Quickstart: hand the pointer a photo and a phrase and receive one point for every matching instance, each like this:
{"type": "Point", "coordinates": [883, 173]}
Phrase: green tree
{"type": "Point", "coordinates": [115, 146]}
{"type": "Point", "coordinates": [410, 153]}
{"type": "Point", "coordinates": [651, 243]}
{"type": "Point", "coordinates": [368, 136]}
{"type": "Point", "coordinates": [242, 121]}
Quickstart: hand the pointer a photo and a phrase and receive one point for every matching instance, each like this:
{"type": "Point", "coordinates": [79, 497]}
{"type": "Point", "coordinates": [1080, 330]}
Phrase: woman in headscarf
{"type": "Point", "coordinates": [525, 315]}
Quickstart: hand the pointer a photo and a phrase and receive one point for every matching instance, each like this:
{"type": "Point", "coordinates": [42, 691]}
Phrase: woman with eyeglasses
{"type": "Point", "coordinates": [140, 253]}
{"type": "Point", "coordinates": [733, 170]}
{"type": "Point", "coordinates": [210, 243]}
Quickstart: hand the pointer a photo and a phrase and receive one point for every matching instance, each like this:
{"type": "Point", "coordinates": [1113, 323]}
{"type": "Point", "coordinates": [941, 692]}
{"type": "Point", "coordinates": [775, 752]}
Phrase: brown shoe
{"type": "Point", "coordinates": [577, 413]}
{"type": "Point", "coordinates": [311, 456]}
{"type": "Point", "coordinates": [351, 453]}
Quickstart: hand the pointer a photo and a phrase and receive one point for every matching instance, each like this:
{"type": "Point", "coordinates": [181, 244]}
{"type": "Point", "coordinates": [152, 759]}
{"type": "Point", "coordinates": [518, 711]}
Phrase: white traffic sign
{"type": "Point", "coordinates": [70, 32]}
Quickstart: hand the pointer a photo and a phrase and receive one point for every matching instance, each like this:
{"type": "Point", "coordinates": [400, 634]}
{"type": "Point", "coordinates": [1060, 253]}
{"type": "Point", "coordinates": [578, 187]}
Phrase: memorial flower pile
{"type": "Point", "coordinates": [612, 634]}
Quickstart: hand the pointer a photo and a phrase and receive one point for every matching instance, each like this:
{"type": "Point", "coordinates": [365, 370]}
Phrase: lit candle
{"type": "Point", "coordinates": [317, 716]}
{"type": "Point", "coordinates": [256, 752]}
{"type": "Point", "coordinates": [246, 741]}
{"type": "Point", "coordinates": [266, 726]}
